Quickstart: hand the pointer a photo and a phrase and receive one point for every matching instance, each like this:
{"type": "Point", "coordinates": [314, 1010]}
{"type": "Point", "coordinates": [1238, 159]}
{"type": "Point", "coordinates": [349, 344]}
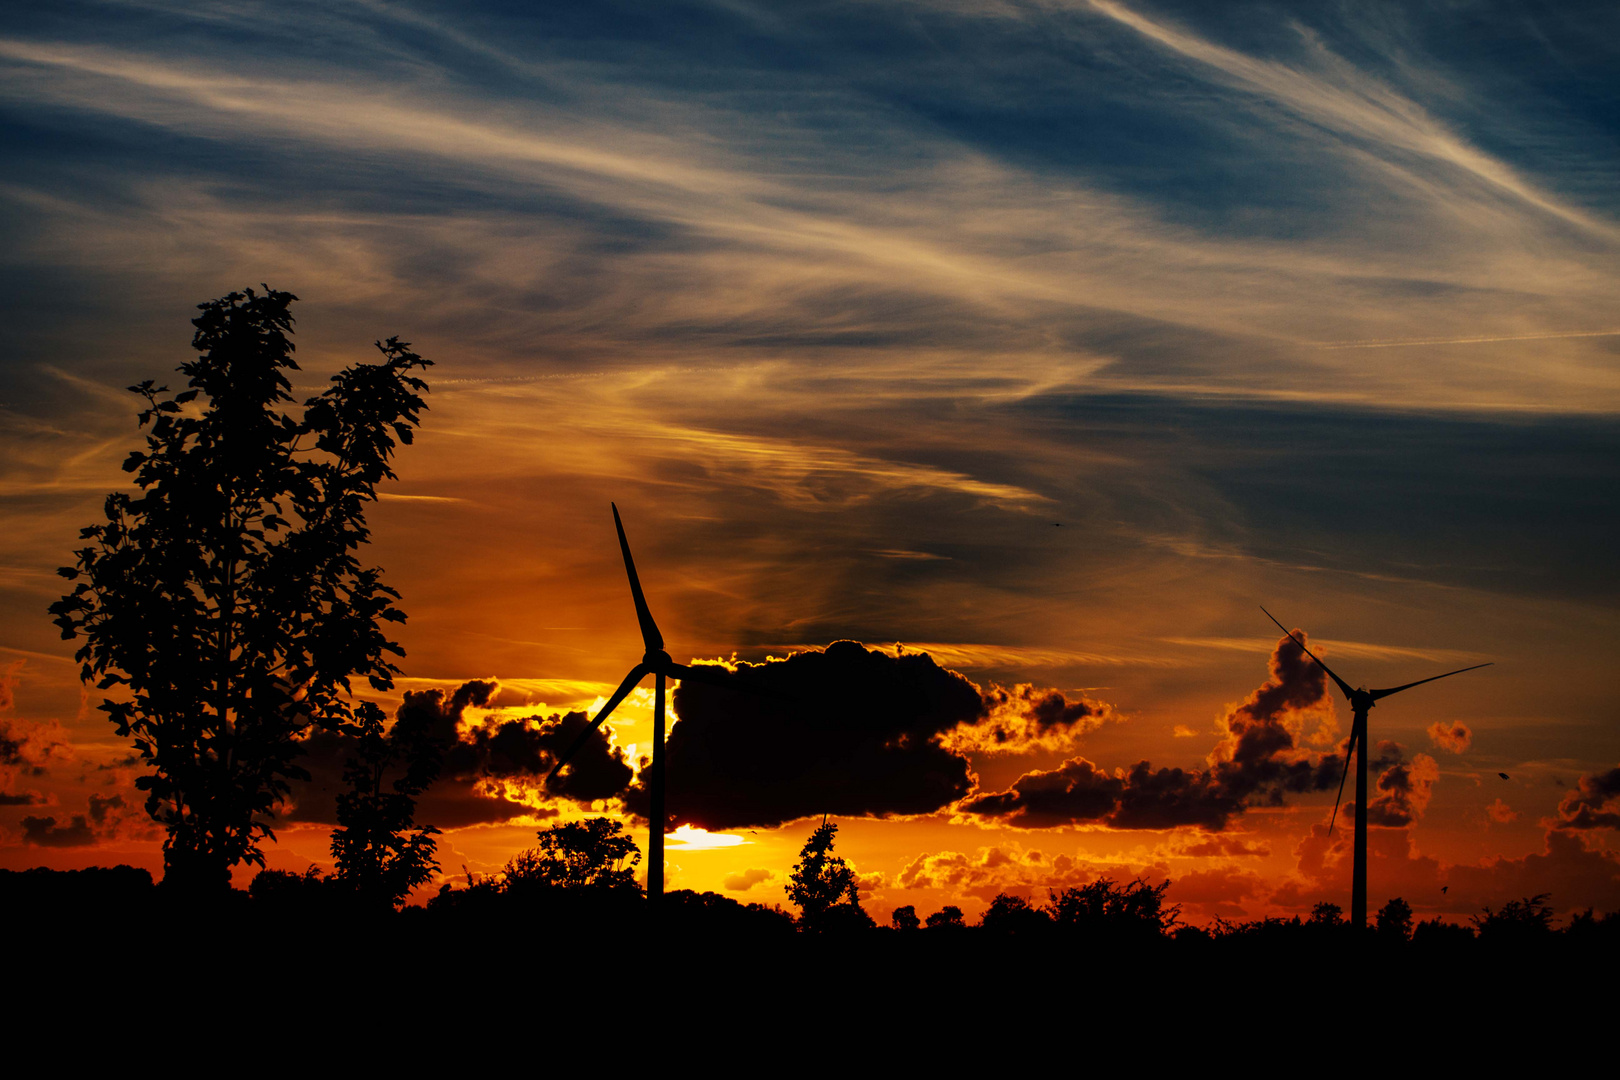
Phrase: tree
{"type": "Point", "coordinates": [1012, 914]}
{"type": "Point", "coordinates": [225, 599]}
{"type": "Point", "coordinates": [1519, 922]}
{"type": "Point", "coordinates": [905, 918]}
{"type": "Point", "coordinates": [378, 852]}
{"type": "Point", "coordinates": [1326, 914]}
{"type": "Point", "coordinates": [591, 854]}
{"type": "Point", "coordinates": [1394, 922]}
{"type": "Point", "coordinates": [1136, 909]}
{"type": "Point", "coordinates": [947, 918]}
{"type": "Point", "coordinates": [823, 887]}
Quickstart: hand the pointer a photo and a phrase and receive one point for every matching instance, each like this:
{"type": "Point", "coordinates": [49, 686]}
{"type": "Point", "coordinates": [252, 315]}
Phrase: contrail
{"type": "Point", "coordinates": [1397, 342]}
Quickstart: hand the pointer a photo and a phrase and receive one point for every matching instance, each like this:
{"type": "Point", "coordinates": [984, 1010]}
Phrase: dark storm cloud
{"type": "Point", "coordinates": [1595, 804]}
{"type": "Point", "coordinates": [1258, 762]}
{"type": "Point", "coordinates": [521, 750]}
{"type": "Point", "coordinates": [101, 807]}
{"type": "Point", "coordinates": [846, 731]}
{"type": "Point", "coordinates": [44, 832]}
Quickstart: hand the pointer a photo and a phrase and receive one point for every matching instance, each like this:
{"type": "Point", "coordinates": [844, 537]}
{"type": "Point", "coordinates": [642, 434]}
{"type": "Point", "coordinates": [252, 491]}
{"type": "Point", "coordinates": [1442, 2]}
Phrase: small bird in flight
{"type": "Point", "coordinates": [1503, 775]}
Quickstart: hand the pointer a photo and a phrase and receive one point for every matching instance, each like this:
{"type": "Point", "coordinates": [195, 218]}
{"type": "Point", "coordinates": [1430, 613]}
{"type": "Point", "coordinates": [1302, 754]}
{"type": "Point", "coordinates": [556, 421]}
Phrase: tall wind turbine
{"type": "Point", "coordinates": [1360, 701]}
{"type": "Point", "coordinates": [658, 663]}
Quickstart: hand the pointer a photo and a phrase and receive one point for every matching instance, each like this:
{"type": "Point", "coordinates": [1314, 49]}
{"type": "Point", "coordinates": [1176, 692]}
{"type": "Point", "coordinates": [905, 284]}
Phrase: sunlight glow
{"type": "Point", "coordinates": [691, 838]}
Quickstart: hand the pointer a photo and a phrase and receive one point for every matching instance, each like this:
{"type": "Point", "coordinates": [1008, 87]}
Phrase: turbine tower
{"type": "Point", "coordinates": [1360, 701]}
{"type": "Point", "coordinates": [658, 663]}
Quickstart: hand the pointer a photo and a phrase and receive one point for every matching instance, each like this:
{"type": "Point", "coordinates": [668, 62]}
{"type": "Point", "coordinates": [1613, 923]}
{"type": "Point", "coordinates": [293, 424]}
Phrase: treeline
{"type": "Point", "coordinates": [1102, 913]}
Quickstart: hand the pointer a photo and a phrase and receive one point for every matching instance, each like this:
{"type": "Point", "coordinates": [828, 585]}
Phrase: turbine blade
{"type": "Point", "coordinates": [1376, 694]}
{"type": "Point", "coordinates": [637, 673]}
{"type": "Point", "coordinates": [1344, 687]}
{"type": "Point", "coordinates": [1349, 751]}
{"type": "Point", "coordinates": [651, 639]}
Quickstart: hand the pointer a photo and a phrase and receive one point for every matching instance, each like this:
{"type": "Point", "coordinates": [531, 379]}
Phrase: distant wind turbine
{"type": "Point", "coordinates": [655, 662]}
{"type": "Point", "coordinates": [1360, 701]}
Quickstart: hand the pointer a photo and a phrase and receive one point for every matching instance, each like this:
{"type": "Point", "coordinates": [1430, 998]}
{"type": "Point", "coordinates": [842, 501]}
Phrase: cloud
{"type": "Point", "coordinates": [846, 730]}
{"type": "Point", "coordinates": [746, 879]}
{"type": "Point", "coordinates": [1594, 804]}
{"type": "Point", "coordinates": [102, 808]}
{"type": "Point", "coordinates": [849, 731]}
{"type": "Point", "coordinates": [1341, 99]}
{"type": "Point", "coordinates": [1026, 719]}
{"type": "Point", "coordinates": [1454, 736]}
{"type": "Point", "coordinates": [1575, 874]}
{"type": "Point", "coordinates": [1501, 813]}
{"type": "Point", "coordinates": [44, 832]}
{"type": "Point", "coordinates": [1258, 760]}
{"type": "Point", "coordinates": [1219, 891]}
{"type": "Point", "coordinates": [1207, 846]}
{"type": "Point", "coordinates": [1002, 868]}
{"type": "Point", "coordinates": [1404, 787]}
{"type": "Point", "coordinates": [25, 750]}
{"type": "Point", "coordinates": [8, 690]}
{"type": "Point", "coordinates": [31, 745]}
{"type": "Point", "coordinates": [493, 768]}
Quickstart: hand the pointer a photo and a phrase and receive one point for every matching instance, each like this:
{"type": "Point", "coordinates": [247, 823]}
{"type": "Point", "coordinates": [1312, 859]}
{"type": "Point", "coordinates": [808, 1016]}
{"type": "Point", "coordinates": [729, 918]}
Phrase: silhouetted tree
{"type": "Point", "coordinates": [1519, 922]}
{"type": "Point", "coordinates": [378, 853]}
{"type": "Point", "coordinates": [1103, 906]}
{"type": "Point", "coordinates": [1009, 914]}
{"type": "Point", "coordinates": [905, 918]}
{"type": "Point", "coordinates": [824, 888]}
{"type": "Point", "coordinates": [1326, 914]}
{"type": "Point", "coordinates": [589, 854]}
{"type": "Point", "coordinates": [1394, 922]}
{"type": "Point", "coordinates": [947, 918]}
{"type": "Point", "coordinates": [225, 599]}
{"type": "Point", "coordinates": [1437, 933]}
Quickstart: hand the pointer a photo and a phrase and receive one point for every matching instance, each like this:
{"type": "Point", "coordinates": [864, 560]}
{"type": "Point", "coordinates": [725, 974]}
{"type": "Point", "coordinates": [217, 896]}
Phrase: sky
{"type": "Point", "coordinates": [1031, 346]}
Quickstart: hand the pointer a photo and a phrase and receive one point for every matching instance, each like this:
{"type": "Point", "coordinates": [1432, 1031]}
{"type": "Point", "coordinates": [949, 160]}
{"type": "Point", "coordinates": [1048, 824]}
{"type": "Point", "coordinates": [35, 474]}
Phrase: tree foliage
{"type": "Point", "coordinates": [1394, 921]}
{"type": "Point", "coordinates": [823, 886]}
{"type": "Point", "coordinates": [224, 601]}
{"type": "Point", "coordinates": [1519, 922]}
{"type": "Point", "coordinates": [590, 854]}
{"type": "Point", "coordinates": [378, 851]}
{"type": "Point", "coordinates": [1105, 906]}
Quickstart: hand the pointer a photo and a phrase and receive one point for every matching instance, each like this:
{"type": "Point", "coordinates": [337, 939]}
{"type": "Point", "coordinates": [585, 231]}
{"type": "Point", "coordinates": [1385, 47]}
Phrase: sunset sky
{"type": "Point", "coordinates": [1048, 339]}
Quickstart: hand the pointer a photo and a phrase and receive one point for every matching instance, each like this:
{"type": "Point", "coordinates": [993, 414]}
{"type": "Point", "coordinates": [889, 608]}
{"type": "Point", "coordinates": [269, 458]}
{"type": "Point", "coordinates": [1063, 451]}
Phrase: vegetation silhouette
{"type": "Point", "coordinates": [823, 886]}
{"type": "Point", "coordinates": [378, 851]}
{"type": "Point", "coordinates": [224, 600]}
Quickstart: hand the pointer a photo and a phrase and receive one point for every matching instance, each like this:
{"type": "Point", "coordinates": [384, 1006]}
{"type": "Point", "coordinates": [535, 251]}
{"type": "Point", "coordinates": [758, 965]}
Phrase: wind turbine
{"type": "Point", "coordinates": [1360, 701]}
{"type": "Point", "coordinates": [658, 663]}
